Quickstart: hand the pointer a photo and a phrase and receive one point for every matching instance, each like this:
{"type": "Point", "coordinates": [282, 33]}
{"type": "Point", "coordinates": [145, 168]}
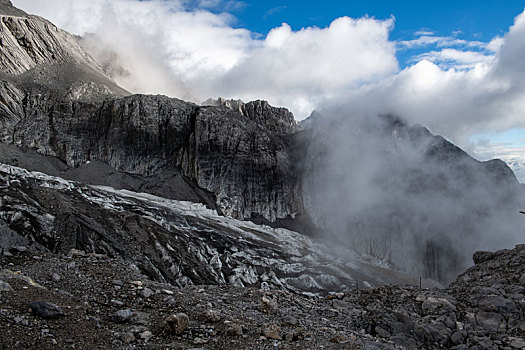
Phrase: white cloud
{"type": "Point", "coordinates": [428, 38]}
{"type": "Point", "coordinates": [453, 58]}
{"type": "Point", "coordinates": [207, 57]}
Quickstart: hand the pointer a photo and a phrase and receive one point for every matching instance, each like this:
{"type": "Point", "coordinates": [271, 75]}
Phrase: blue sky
{"type": "Point", "coordinates": [479, 20]}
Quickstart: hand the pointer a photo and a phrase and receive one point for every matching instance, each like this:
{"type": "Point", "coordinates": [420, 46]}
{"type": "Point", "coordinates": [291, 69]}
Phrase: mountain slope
{"type": "Point", "coordinates": [28, 41]}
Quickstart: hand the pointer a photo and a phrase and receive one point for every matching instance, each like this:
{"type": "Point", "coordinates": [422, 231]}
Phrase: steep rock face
{"type": "Point", "coordinates": [7, 8]}
{"type": "Point", "coordinates": [244, 161]}
{"type": "Point", "coordinates": [27, 41]}
{"type": "Point", "coordinates": [275, 119]}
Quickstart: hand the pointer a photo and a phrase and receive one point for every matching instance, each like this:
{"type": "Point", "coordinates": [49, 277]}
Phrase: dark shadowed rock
{"type": "Point", "coordinates": [178, 323]}
{"type": "Point", "coordinates": [122, 316]}
{"type": "Point", "coordinates": [45, 309]}
{"type": "Point", "coordinates": [482, 256]}
{"type": "Point", "coordinates": [5, 287]}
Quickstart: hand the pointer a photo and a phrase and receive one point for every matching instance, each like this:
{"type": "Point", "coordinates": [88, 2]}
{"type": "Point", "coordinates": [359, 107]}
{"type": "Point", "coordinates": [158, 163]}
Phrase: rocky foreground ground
{"type": "Point", "coordinates": [87, 301]}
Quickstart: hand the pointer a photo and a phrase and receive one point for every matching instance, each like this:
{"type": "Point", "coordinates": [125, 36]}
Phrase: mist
{"type": "Point", "coordinates": [412, 200]}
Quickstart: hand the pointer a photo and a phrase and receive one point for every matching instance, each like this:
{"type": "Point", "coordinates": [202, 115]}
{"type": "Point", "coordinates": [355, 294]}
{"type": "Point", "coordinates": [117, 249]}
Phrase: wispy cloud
{"type": "Point", "coordinates": [453, 58]}
{"type": "Point", "coordinates": [274, 10]}
{"type": "Point", "coordinates": [424, 32]}
{"type": "Point", "coordinates": [440, 41]}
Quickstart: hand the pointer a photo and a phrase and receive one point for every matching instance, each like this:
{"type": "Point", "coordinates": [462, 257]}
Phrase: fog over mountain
{"type": "Point", "coordinates": [397, 192]}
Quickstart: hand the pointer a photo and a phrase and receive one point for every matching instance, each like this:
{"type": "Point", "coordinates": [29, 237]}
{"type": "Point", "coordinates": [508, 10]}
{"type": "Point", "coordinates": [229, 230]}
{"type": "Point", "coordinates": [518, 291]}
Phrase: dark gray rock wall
{"type": "Point", "coordinates": [27, 41]}
{"type": "Point", "coordinates": [244, 161]}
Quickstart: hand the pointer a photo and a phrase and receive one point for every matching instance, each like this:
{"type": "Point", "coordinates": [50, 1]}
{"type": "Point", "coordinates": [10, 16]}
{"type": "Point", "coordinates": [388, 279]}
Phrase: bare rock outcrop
{"type": "Point", "coordinates": [28, 41]}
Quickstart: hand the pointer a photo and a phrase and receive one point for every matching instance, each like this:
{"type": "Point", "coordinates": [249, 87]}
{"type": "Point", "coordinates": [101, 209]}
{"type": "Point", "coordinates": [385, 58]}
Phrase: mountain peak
{"type": "Point", "coordinates": [7, 9]}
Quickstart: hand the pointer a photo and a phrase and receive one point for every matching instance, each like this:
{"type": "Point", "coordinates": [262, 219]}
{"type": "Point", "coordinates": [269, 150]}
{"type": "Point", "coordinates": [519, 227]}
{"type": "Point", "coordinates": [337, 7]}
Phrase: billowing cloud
{"type": "Point", "coordinates": [192, 53]}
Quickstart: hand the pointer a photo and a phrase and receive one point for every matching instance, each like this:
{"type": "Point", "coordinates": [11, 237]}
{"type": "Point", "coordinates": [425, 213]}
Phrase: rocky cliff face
{"type": "Point", "coordinates": [244, 162]}
{"type": "Point", "coordinates": [28, 41]}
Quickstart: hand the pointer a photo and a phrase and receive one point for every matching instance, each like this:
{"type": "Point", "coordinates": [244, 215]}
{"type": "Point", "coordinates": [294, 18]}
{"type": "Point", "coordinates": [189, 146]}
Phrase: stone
{"type": "Point", "coordinates": [340, 304]}
{"type": "Point", "coordinates": [128, 338]}
{"type": "Point", "coordinates": [516, 343]}
{"type": "Point", "coordinates": [522, 279]}
{"type": "Point", "coordinates": [268, 305]}
{"type": "Point", "coordinates": [458, 337]}
{"type": "Point", "coordinates": [265, 286]}
{"type": "Point", "coordinates": [146, 335]}
{"type": "Point", "coordinates": [146, 293]}
{"type": "Point", "coordinates": [437, 305]}
{"type": "Point", "coordinates": [289, 319]}
{"type": "Point", "coordinates": [271, 330]}
{"type": "Point", "coordinates": [234, 329]}
{"type": "Point", "coordinates": [20, 249]}
{"type": "Point", "coordinates": [497, 304]}
{"type": "Point", "coordinates": [122, 316]}
{"type": "Point", "coordinates": [490, 321]}
{"type": "Point", "coordinates": [76, 253]}
{"type": "Point", "coordinates": [212, 316]}
{"type": "Point", "coordinates": [482, 256]}
{"type": "Point", "coordinates": [45, 309]}
{"type": "Point", "coordinates": [5, 287]}
{"type": "Point", "coordinates": [199, 341]}
{"type": "Point", "coordinates": [338, 339]}
{"type": "Point", "coordinates": [178, 323]}
{"type": "Point", "coordinates": [55, 277]}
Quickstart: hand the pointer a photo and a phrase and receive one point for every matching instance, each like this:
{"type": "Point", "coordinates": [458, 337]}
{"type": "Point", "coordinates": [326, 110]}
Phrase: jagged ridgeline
{"type": "Point", "coordinates": [386, 189]}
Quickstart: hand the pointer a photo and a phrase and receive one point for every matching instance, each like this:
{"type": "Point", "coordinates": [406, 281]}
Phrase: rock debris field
{"type": "Point", "coordinates": [88, 301]}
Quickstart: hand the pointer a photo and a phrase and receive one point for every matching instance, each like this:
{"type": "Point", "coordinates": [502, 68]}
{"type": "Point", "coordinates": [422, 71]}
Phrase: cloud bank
{"type": "Point", "coordinates": [457, 88]}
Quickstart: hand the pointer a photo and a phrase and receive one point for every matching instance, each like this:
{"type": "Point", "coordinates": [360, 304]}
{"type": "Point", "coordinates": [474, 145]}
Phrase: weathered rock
{"type": "Point", "coordinates": [46, 310]}
{"type": "Point", "coordinates": [458, 337]}
{"type": "Point", "coordinates": [146, 293]}
{"type": "Point", "coordinates": [482, 256]}
{"type": "Point", "coordinates": [268, 305]}
{"type": "Point", "coordinates": [5, 287]}
{"type": "Point", "coordinates": [234, 329]}
{"type": "Point", "coordinates": [271, 330]}
{"type": "Point", "coordinates": [178, 323]}
{"type": "Point", "coordinates": [437, 305]}
{"type": "Point", "coordinates": [146, 335]}
{"type": "Point", "coordinates": [212, 316]}
{"type": "Point", "coordinates": [122, 316]}
{"type": "Point", "coordinates": [128, 338]}
{"type": "Point", "coordinates": [491, 321]}
{"type": "Point", "coordinates": [497, 304]}
{"type": "Point", "coordinates": [516, 343]}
